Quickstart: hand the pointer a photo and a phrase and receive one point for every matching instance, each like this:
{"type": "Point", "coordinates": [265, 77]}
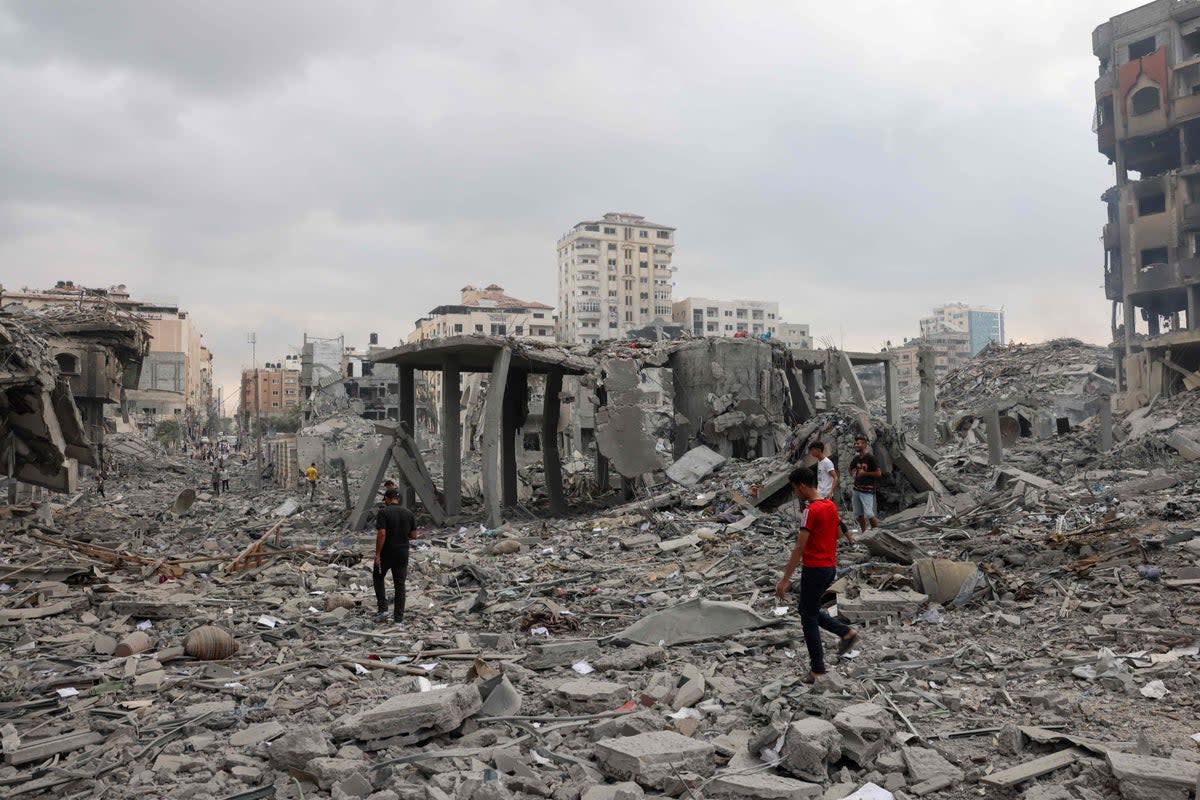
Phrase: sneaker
{"type": "Point", "coordinates": [847, 644]}
{"type": "Point", "coordinates": [380, 616]}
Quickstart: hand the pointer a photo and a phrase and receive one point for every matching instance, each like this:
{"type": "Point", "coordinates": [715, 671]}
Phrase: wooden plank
{"type": "Point", "coordinates": [40, 750]}
{"type": "Point", "coordinates": [1033, 769]}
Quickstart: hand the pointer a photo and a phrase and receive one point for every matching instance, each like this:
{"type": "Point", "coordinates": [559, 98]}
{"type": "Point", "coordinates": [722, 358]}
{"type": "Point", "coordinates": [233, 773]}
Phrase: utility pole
{"type": "Point", "coordinates": [258, 467]}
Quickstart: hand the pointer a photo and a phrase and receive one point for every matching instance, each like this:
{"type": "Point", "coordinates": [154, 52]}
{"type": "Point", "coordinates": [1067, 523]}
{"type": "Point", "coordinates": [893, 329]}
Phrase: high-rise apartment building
{"type": "Point", "coordinates": [614, 275]}
{"type": "Point", "coordinates": [982, 324]}
{"type": "Point", "coordinates": [278, 390]}
{"type": "Point", "coordinates": [703, 316]}
{"type": "Point", "coordinates": [1147, 122]}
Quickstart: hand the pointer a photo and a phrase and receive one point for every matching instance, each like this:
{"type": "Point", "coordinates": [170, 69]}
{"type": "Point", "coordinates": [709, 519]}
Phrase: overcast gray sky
{"type": "Point", "coordinates": [286, 166]}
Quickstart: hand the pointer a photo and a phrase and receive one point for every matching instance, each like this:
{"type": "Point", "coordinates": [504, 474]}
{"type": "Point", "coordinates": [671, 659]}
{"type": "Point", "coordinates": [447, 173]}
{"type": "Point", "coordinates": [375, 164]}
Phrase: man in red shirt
{"type": "Point", "coordinates": [816, 550]}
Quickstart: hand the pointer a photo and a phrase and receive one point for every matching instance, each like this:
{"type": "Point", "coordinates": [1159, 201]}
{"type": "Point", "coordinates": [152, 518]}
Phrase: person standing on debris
{"type": "Point", "coordinates": [815, 553]}
{"type": "Point", "coordinates": [100, 482]}
{"type": "Point", "coordinates": [828, 481]}
{"type": "Point", "coordinates": [394, 526]}
{"type": "Point", "coordinates": [864, 469]}
{"type": "Point", "coordinates": [827, 477]}
{"type": "Point", "coordinates": [216, 481]}
{"type": "Point", "coordinates": [224, 476]}
{"type": "Point", "coordinates": [310, 475]}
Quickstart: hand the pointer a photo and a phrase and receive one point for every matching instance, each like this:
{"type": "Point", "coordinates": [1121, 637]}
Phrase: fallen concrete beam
{"type": "Point", "coordinates": [918, 472]}
{"type": "Point", "coordinates": [45, 748]}
{"type": "Point", "coordinates": [411, 718]}
{"type": "Point", "coordinates": [1032, 769]}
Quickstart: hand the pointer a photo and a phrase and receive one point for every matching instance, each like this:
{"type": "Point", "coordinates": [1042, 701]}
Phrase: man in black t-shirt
{"type": "Point", "coordinates": [864, 469]}
{"type": "Point", "coordinates": [394, 526]}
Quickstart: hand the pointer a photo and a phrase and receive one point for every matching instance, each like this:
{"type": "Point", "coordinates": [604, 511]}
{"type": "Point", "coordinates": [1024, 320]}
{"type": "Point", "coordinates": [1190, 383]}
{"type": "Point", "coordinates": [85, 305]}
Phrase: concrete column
{"type": "Point", "coordinates": [991, 419]}
{"type": "Point", "coordinates": [515, 395]}
{"type": "Point", "coordinates": [1130, 324]}
{"type": "Point", "coordinates": [452, 435]}
{"type": "Point", "coordinates": [832, 381]}
{"type": "Point", "coordinates": [1106, 424]}
{"type": "Point", "coordinates": [602, 476]}
{"type": "Point", "coordinates": [1193, 307]}
{"type": "Point", "coordinates": [1152, 323]}
{"type": "Point", "coordinates": [846, 367]}
{"type": "Point", "coordinates": [891, 388]}
{"type": "Point", "coordinates": [493, 417]}
{"type": "Point", "coordinates": [408, 419]}
{"type": "Point", "coordinates": [926, 368]}
{"type": "Point", "coordinates": [808, 378]}
{"type": "Point", "coordinates": [550, 457]}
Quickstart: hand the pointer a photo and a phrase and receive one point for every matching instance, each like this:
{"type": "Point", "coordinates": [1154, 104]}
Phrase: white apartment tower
{"type": "Point", "coordinates": [614, 275]}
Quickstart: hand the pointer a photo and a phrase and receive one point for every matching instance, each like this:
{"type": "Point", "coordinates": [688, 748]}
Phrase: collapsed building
{"type": "Point", "coordinates": [61, 368]}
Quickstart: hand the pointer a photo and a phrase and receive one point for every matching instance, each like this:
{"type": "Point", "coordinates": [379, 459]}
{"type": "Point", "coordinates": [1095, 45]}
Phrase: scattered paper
{"type": "Point", "coordinates": [267, 622]}
{"type": "Point", "coordinates": [781, 611]}
{"type": "Point", "coordinates": [871, 791]}
{"type": "Point", "coordinates": [314, 610]}
{"type": "Point", "coordinates": [583, 668]}
{"type": "Point", "coordinates": [4, 587]}
{"type": "Point", "coordinates": [359, 669]}
{"type": "Point", "coordinates": [1156, 690]}
{"type": "Point", "coordinates": [235, 685]}
{"type": "Point", "coordinates": [144, 625]}
{"type": "Point", "coordinates": [68, 691]}
{"type": "Point", "coordinates": [539, 631]}
{"type": "Point", "coordinates": [429, 667]}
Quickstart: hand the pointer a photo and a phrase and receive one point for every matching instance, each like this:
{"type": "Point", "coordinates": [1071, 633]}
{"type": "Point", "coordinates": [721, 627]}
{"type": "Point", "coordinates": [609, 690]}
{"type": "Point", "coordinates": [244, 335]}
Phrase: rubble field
{"type": "Point", "coordinates": [1027, 630]}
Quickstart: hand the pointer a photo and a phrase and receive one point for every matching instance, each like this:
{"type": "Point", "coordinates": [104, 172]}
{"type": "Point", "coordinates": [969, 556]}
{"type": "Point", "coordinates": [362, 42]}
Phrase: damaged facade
{"type": "Point", "coordinates": [63, 367]}
{"type": "Point", "coordinates": [1148, 123]}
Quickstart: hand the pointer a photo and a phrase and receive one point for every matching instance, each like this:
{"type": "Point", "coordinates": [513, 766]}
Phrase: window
{"type": "Point", "coordinates": [67, 364]}
{"type": "Point", "coordinates": [1154, 255]}
{"type": "Point", "coordinates": [1144, 101]}
{"type": "Point", "coordinates": [539, 315]}
{"type": "Point", "coordinates": [595, 228]}
{"type": "Point", "coordinates": [741, 313]}
{"type": "Point", "coordinates": [643, 249]}
{"type": "Point", "coordinates": [1140, 48]}
{"type": "Point", "coordinates": [1152, 204]}
{"type": "Point", "coordinates": [645, 295]}
{"type": "Point", "coordinates": [612, 246]}
{"type": "Point", "coordinates": [612, 262]}
{"type": "Point", "coordinates": [643, 264]}
{"type": "Point", "coordinates": [710, 311]}
{"type": "Point", "coordinates": [664, 234]}
{"type": "Point", "coordinates": [645, 311]}
{"type": "Point", "coordinates": [612, 292]}
{"type": "Point", "coordinates": [628, 299]}
{"type": "Point", "coordinates": [458, 327]}
{"type": "Point", "coordinates": [629, 269]}
{"type": "Point", "coordinates": [479, 329]}
{"type": "Point", "coordinates": [644, 234]}
{"type": "Point", "coordinates": [611, 232]}
{"type": "Point", "coordinates": [519, 330]}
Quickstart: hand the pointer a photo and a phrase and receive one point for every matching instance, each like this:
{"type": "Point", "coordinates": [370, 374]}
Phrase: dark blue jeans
{"type": "Point", "coordinates": [814, 582]}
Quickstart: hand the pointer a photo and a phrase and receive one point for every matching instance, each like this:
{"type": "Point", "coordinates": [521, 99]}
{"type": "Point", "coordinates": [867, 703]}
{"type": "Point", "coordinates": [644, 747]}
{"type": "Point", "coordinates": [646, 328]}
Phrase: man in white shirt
{"type": "Point", "coordinates": [827, 477]}
{"type": "Point", "coordinates": [827, 480]}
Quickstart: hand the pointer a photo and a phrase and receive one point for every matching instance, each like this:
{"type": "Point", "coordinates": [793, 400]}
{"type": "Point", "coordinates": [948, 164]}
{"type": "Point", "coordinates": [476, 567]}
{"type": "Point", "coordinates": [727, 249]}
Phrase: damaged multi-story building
{"type": "Point", "coordinates": [61, 367]}
{"type": "Point", "coordinates": [1147, 123]}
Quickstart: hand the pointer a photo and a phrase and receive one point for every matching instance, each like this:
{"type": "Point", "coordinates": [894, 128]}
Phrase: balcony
{"type": "Point", "coordinates": [589, 309]}
{"type": "Point", "coordinates": [1106, 140]}
{"type": "Point", "coordinates": [1112, 236]}
{"type": "Point", "coordinates": [1114, 286]}
{"type": "Point", "coordinates": [1191, 217]}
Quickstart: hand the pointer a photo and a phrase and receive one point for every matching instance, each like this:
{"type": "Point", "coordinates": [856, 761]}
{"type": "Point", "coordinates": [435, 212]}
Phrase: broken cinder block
{"type": "Point", "coordinates": [808, 747]}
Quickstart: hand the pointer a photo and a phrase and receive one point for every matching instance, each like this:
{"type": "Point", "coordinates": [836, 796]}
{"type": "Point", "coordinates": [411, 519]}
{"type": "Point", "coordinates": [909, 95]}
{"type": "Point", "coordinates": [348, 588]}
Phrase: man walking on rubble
{"type": "Point", "coordinates": [310, 475]}
{"type": "Point", "coordinates": [394, 526]}
{"type": "Point", "coordinates": [216, 481]}
{"type": "Point", "coordinates": [815, 552]}
{"type": "Point", "coordinates": [864, 469]}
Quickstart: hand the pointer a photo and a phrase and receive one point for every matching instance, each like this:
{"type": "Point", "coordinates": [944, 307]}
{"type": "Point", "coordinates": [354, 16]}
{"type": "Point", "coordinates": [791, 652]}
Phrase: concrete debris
{"type": "Point", "coordinates": [1026, 626]}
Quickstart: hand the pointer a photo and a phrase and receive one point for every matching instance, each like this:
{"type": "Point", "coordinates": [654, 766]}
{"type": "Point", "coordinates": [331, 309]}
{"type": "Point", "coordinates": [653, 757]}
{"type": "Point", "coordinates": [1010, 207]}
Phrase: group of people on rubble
{"type": "Point", "coordinates": [815, 550]}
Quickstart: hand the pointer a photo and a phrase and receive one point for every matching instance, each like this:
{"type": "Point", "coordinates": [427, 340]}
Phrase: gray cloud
{"type": "Point", "coordinates": [342, 168]}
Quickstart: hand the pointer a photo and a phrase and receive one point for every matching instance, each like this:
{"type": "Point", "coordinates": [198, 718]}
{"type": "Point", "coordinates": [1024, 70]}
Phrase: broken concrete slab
{"type": "Point", "coordinates": [809, 746]}
{"type": "Point", "coordinates": [875, 604]}
{"type": "Point", "coordinates": [587, 696]}
{"type": "Point", "coordinates": [926, 765]}
{"type": "Point", "coordinates": [560, 654]}
{"type": "Point", "coordinates": [1034, 768]}
{"type": "Point", "coordinates": [411, 718]}
{"type": "Point", "coordinates": [654, 759]}
{"type": "Point", "coordinates": [694, 621]}
{"type": "Point", "coordinates": [762, 786]}
{"type": "Point", "coordinates": [299, 746]}
{"type": "Point", "coordinates": [695, 465]}
{"type": "Point", "coordinates": [626, 790]}
{"type": "Point", "coordinates": [1146, 777]}
{"type": "Point", "coordinates": [1187, 448]}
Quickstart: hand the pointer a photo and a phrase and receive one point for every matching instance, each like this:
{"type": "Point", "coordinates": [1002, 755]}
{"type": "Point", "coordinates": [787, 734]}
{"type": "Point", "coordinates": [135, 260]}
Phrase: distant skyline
{"type": "Point", "coordinates": [288, 166]}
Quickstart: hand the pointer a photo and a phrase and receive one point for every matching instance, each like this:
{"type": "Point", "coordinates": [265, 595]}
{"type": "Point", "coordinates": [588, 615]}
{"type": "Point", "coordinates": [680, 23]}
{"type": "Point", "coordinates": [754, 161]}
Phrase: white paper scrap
{"type": "Point", "coordinates": [269, 622]}
{"type": "Point", "coordinates": [68, 691]}
{"type": "Point", "coordinates": [144, 625]}
{"type": "Point", "coordinates": [583, 668]}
